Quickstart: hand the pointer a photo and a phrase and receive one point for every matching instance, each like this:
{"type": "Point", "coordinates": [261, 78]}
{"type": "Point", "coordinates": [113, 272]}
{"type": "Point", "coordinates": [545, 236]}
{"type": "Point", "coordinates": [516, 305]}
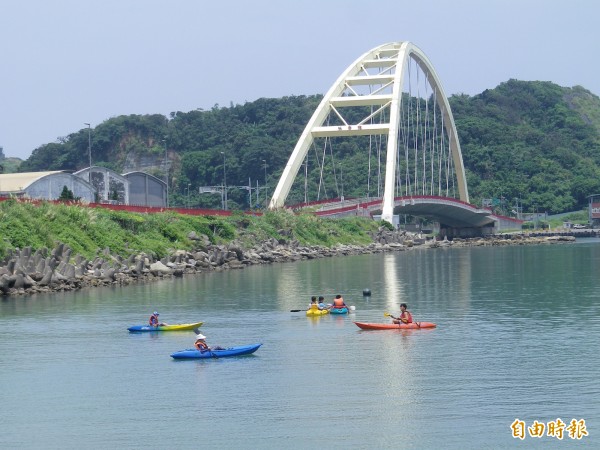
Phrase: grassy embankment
{"type": "Point", "coordinates": [556, 221]}
{"type": "Point", "coordinates": [88, 230]}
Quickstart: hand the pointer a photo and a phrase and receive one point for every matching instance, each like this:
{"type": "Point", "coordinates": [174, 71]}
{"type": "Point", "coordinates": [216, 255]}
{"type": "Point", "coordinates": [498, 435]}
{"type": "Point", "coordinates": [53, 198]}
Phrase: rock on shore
{"type": "Point", "coordinates": [24, 272]}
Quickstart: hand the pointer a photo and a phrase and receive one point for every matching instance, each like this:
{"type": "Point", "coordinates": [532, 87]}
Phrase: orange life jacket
{"type": "Point", "coordinates": [407, 316]}
{"type": "Point", "coordinates": [338, 303]}
{"type": "Point", "coordinates": [200, 345]}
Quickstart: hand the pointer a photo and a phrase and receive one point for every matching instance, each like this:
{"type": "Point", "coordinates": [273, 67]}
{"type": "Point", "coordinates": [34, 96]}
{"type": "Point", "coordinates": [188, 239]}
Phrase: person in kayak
{"type": "Point", "coordinates": [153, 320]}
{"type": "Point", "coordinates": [201, 344]}
{"type": "Point", "coordinates": [313, 303]}
{"type": "Point", "coordinates": [338, 303]}
{"type": "Point", "coordinates": [321, 303]}
{"type": "Point", "coordinates": [405, 316]}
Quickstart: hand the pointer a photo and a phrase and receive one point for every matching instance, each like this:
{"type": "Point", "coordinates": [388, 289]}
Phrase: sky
{"type": "Point", "coordinates": [64, 63]}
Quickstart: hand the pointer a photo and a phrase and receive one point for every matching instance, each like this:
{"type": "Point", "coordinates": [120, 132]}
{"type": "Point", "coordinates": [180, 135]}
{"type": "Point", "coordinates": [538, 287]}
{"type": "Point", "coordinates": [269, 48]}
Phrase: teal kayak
{"type": "Point", "coordinates": [193, 353]}
{"type": "Point", "coordinates": [343, 310]}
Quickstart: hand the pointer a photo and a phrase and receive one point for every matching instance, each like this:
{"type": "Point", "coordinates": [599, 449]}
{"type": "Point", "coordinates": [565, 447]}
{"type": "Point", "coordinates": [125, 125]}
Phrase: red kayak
{"type": "Point", "coordinates": [394, 326]}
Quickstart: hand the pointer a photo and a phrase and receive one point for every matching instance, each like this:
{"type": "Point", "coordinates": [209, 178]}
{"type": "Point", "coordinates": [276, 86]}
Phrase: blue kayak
{"type": "Point", "coordinates": [343, 310]}
{"type": "Point", "coordinates": [192, 353]}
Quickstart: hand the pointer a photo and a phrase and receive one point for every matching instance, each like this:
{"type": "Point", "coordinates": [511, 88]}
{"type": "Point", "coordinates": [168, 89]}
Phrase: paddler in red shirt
{"type": "Point", "coordinates": [405, 316]}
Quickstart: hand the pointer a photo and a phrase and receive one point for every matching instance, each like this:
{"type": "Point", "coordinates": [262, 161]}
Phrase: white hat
{"type": "Point", "coordinates": [200, 336]}
{"type": "Point", "coordinates": [156, 313]}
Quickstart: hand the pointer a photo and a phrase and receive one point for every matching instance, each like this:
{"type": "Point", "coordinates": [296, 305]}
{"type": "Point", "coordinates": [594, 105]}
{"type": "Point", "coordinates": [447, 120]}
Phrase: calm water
{"type": "Point", "coordinates": [517, 338]}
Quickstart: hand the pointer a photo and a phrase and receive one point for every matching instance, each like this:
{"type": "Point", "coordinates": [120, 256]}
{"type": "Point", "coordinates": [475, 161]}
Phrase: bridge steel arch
{"type": "Point", "coordinates": [393, 58]}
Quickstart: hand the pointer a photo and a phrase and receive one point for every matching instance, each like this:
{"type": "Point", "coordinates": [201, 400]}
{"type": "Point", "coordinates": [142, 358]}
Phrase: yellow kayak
{"type": "Point", "coordinates": [174, 327]}
{"type": "Point", "coordinates": [316, 312]}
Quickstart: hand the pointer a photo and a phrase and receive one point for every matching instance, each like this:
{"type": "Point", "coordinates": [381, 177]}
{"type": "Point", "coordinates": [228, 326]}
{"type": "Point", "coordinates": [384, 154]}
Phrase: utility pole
{"type": "Point", "coordinates": [224, 183]}
{"type": "Point", "coordinates": [306, 181]}
{"type": "Point", "coordinates": [250, 192]}
{"type": "Point", "coordinates": [266, 190]}
{"type": "Point", "coordinates": [166, 171]}
{"type": "Point", "coordinates": [342, 181]}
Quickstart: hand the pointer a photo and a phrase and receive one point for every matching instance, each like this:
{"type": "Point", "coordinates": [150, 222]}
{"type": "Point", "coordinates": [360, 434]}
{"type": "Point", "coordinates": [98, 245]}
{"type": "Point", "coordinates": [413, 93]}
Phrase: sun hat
{"type": "Point", "coordinates": [156, 313]}
{"type": "Point", "coordinates": [200, 336]}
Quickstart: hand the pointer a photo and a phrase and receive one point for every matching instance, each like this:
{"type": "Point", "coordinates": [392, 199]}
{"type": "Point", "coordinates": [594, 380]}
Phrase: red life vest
{"type": "Point", "coordinates": [153, 321]}
{"type": "Point", "coordinates": [407, 316]}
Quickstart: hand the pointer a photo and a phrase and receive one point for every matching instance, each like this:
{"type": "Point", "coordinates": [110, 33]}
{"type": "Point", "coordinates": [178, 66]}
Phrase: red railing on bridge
{"type": "Point", "coordinates": [136, 208]}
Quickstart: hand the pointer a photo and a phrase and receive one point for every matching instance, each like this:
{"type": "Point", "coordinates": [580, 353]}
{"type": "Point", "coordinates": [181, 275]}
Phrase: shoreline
{"type": "Point", "coordinates": [23, 273]}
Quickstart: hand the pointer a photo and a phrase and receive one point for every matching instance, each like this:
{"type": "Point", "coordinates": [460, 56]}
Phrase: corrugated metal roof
{"type": "Point", "coordinates": [17, 182]}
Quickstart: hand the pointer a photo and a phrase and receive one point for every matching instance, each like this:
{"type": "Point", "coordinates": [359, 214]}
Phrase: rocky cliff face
{"type": "Point", "coordinates": [144, 163]}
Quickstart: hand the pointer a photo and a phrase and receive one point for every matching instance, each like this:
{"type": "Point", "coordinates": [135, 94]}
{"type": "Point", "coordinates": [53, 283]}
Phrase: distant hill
{"type": "Point", "coordinates": [529, 140]}
{"type": "Point", "coordinates": [534, 141]}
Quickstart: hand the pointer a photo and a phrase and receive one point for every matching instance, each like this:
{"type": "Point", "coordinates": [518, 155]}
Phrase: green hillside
{"type": "Point", "coordinates": [89, 230]}
{"type": "Point", "coordinates": [533, 141]}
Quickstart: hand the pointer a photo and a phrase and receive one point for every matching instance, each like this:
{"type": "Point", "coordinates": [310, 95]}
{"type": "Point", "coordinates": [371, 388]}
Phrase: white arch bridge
{"type": "Point", "coordinates": [386, 124]}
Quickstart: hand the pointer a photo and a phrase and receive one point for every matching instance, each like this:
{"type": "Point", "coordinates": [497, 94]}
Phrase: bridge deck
{"type": "Point", "coordinates": [447, 211]}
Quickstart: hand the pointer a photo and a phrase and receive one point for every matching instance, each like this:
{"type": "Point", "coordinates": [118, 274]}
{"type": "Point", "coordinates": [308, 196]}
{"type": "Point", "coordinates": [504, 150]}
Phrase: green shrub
{"type": "Point", "coordinates": [87, 230]}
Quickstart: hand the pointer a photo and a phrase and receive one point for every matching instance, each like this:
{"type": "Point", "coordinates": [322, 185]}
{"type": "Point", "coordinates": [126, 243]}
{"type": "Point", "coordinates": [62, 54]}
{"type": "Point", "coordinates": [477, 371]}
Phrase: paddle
{"type": "Point", "coordinates": [298, 310]}
{"type": "Point", "coordinates": [387, 314]}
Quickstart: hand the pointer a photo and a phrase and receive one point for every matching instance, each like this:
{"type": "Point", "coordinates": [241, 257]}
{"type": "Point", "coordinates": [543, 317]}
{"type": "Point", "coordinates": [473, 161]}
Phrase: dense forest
{"type": "Point", "coordinates": [531, 144]}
